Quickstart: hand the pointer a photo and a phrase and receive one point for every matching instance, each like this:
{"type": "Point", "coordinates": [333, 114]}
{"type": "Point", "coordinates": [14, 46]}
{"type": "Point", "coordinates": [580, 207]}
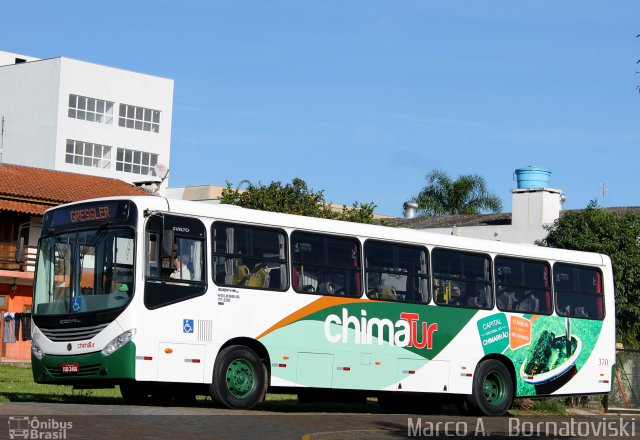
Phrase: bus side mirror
{"type": "Point", "coordinates": [167, 243]}
{"type": "Point", "coordinates": [20, 250]}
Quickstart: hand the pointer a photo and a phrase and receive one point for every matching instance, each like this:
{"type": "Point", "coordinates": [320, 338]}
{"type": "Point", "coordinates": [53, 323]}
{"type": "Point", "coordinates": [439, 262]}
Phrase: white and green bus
{"type": "Point", "coordinates": [169, 298]}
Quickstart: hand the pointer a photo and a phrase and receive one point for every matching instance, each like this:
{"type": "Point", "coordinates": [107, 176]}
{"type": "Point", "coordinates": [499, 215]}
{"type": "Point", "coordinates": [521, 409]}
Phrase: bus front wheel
{"type": "Point", "coordinates": [492, 389]}
{"type": "Point", "coordinates": [238, 378]}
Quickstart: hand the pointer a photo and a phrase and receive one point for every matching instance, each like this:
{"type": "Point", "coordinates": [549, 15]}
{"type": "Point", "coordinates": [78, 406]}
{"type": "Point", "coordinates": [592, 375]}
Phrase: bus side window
{"type": "Point", "coordinates": [522, 285]}
{"type": "Point", "coordinates": [462, 279]}
{"type": "Point", "coordinates": [175, 260]}
{"type": "Point", "coordinates": [395, 272]}
{"type": "Point", "coordinates": [578, 291]}
{"type": "Point", "coordinates": [326, 264]}
{"type": "Point", "coordinates": [248, 256]}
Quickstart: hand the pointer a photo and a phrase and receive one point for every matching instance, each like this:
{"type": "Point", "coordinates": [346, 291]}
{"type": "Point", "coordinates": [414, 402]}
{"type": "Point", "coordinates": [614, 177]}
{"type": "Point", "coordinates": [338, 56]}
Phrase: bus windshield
{"type": "Point", "coordinates": [84, 271]}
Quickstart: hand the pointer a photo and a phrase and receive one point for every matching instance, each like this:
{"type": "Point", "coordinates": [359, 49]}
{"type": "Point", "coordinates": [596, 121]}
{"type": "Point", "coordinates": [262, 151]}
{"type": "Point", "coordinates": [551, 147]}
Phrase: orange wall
{"type": "Point", "coordinates": [19, 350]}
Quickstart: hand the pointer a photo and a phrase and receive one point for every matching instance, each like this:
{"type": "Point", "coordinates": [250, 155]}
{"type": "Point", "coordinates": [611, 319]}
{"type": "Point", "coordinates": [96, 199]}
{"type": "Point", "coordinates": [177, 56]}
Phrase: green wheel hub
{"type": "Point", "coordinates": [240, 378]}
{"type": "Point", "coordinates": [494, 388]}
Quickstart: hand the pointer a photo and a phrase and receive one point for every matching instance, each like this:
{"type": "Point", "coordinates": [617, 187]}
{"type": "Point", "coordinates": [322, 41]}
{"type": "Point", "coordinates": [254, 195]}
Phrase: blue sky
{"type": "Point", "coordinates": [364, 98]}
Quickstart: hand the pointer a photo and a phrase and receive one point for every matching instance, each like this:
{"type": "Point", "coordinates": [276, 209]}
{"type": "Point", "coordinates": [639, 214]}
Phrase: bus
{"type": "Point", "coordinates": [169, 299]}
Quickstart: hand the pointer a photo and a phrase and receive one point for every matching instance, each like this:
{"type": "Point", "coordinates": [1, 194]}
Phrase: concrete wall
{"type": "Point", "coordinates": [118, 86]}
{"type": "Point", "coordinates": [29, 106]}
{"type": "Point", "coordinates": [507, 233]}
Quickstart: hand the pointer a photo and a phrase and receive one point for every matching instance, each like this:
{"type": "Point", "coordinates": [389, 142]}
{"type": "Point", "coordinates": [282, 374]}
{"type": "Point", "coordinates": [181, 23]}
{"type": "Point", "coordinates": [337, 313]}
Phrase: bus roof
{"type": "Point", "coordinates": [314, 224]}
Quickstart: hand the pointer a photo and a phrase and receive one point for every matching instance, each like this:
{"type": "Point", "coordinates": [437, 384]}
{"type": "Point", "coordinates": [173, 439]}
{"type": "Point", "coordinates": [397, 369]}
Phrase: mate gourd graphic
{"type": "Point", "coordinates": [547, 351]}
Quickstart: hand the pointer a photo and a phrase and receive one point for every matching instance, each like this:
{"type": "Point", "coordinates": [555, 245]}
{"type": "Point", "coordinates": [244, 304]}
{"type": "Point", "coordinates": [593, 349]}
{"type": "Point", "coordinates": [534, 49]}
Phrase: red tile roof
{"type": "Point", "coordinates": [23, 207]}
{"type": "Point", "coordinates": [33, 190]}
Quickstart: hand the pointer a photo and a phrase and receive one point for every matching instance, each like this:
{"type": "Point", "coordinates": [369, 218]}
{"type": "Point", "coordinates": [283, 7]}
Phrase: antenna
{"type": "Point", "coordinates": [603, 191]}
{"type": "Point", "coordinates": [162, 171]}
{"type": "Point", "coordinates": [153, 186]}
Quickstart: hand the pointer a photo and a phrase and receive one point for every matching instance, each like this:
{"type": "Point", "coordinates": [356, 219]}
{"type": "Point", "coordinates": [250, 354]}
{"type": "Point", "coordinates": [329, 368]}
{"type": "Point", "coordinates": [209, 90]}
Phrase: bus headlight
{"type": "Point", "coordinates": [36, 350]}
{"type": "Point", "coordinates": [117, 342]}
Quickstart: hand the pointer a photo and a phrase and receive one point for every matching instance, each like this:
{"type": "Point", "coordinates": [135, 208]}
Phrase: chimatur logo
{"type": "Point", "coordinates": [402, 333]}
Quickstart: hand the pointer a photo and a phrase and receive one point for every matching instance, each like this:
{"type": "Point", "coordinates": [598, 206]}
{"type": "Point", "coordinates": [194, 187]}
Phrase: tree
{"type": "Point", "coordinates": [467, 194]}
{"type": "Point", "coordinates": [618, 236]}
{"type": "Point", "coordinates": [294, 198]}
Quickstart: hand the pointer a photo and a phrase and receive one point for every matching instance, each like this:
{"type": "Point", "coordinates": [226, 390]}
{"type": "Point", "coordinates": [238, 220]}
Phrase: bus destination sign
{"type": "Point", "coordinates": [112, 211]}
{"type": "Point", "coordinates": [90, 214]}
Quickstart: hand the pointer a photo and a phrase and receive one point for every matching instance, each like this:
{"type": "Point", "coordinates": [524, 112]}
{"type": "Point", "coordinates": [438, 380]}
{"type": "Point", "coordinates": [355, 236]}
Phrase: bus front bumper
{"type": "Point", "coordinates": [92, 368]}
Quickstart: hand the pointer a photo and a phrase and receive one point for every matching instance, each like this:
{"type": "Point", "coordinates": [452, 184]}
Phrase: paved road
{"type": "Point", "coordinates": [72, 421]}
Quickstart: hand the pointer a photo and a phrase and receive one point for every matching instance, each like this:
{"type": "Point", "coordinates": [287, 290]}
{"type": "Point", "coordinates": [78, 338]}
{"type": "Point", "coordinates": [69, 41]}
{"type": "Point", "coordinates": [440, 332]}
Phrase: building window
{"type": "Point", "coordinates": [139, 118]}
{"type": "Point", "coordinates": [136, 162]}
{"type": "Point", "coordinates": [91, 109]}
{"type": "Point", "coordinates": [88, 154]}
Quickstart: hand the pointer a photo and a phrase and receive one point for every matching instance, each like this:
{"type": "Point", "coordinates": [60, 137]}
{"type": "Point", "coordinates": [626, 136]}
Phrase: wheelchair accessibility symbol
{"type": "Point", "coordinates": [76, 304]}
{"type": "Point", "coordinates": [187, 325]}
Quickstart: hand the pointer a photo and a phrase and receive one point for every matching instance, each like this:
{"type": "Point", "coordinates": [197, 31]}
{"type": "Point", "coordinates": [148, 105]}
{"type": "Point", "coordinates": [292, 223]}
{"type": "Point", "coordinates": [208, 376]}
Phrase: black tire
{"type": "Point", "coordinates": [239, 378]}
{"type": "Point", "coordinates": [492, 393]}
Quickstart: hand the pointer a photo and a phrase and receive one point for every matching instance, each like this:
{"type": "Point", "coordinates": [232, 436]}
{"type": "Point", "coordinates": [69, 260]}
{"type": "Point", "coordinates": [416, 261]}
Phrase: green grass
{"type": "Point", "coordinates": [541, 406]}
{"type": "Point", "coordinates": [17, 385]}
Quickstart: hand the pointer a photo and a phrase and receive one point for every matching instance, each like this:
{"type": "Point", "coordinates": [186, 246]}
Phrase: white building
{"type": "Point", "coordinates": [535, 206]}
{"type": "Point", "coordinates": [69, 115]}
{"type": "Point", "coordinates": [532, 210]}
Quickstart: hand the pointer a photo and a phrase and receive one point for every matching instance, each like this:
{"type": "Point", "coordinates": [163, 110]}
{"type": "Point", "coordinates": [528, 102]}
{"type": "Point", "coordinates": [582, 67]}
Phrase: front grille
{"type": "Point", "coordinates": [72, 334]}
{"type": "Point", "coordinates": [83, 371]}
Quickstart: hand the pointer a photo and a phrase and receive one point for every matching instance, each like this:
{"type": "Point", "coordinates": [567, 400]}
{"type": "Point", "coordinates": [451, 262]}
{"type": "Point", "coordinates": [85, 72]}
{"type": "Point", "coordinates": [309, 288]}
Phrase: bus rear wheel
{"type": "Point", "coordinates": [492, 393]}
{"type": "Point", "coordinates": [239, 378]}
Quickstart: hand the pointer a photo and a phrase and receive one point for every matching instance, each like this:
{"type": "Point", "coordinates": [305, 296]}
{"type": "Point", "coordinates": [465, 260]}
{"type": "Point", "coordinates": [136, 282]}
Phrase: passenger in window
{"type": "Point", "coordinates": [530, 304]}
{"type": "Point", "coordinates": [580, 312]}
{"type": "Point", "coordinates": [507, 300]}
{"type": "Point", "coordinates": [564, 311]}
{"type": "Point", "coordinates": [326, 288]}
{"type": "Point", "coordinates": [181, 271]}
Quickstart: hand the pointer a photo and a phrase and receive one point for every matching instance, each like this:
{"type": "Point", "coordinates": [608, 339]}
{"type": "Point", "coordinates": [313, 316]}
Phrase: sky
{"type": "Point", "coordinates": [362, 98]}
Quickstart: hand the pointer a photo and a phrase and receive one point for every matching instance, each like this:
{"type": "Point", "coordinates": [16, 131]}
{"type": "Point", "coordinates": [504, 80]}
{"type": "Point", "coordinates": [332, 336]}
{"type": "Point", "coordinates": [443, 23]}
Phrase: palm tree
{"type": "Point", "coordinates": [467, 194]}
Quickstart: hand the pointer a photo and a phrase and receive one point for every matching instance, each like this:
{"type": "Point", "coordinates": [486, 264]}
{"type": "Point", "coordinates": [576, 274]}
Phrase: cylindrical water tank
{"type": "Point", "coordinates": [532, 177]}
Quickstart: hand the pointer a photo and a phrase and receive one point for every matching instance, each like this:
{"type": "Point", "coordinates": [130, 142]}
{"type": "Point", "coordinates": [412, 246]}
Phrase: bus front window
{"type": "Point", "coordinates": [85, 271]}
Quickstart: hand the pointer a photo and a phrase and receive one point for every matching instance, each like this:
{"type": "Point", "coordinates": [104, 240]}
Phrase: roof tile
{"type": "Point", "coordinates": [39, 188]}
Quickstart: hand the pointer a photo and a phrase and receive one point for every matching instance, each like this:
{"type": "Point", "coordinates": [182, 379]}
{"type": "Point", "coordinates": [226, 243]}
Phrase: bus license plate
{"type": "Point", "coordinates": [70, 368]}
